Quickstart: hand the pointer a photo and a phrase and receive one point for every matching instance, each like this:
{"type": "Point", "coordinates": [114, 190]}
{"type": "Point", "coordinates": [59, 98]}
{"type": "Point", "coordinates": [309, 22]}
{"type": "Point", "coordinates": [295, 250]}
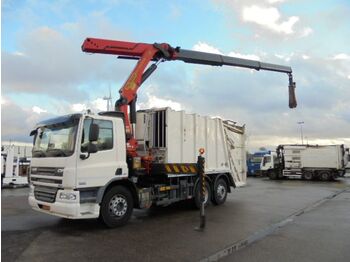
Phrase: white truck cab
{"type": "Point", "coordinates": [65, 176]}
{"type": "Point", "coordinates": [268, 162]}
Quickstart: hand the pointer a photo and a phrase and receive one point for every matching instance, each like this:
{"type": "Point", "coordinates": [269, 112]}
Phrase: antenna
{"type": "Point", "coordinates": [108, 99]}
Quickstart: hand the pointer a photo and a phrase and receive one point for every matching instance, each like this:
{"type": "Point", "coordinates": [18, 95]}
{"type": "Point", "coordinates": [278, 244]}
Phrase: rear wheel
{"type": "Point", "coordinates": [197, 196]}
{"type": "Point", "coordinates": [325, 175]}
{"type": "Point", "coordinates": [220, 192]}
{"type": "Point", "coordinates": [116, 207]}
{"type": "Point", "coordinates": [308, 175]}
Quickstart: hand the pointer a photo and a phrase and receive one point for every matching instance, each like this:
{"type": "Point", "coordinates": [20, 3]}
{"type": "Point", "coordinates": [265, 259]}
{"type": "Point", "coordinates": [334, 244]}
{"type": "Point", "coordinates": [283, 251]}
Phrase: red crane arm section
{"type": "Point", "coordinates": [145, 53]}
{"type": "Point", "coordinates": [103, 46]}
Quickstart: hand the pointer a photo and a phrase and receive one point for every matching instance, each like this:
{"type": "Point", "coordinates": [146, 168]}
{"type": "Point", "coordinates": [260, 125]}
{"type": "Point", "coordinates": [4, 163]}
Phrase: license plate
{"type": "Point", "coordinates": [46, 207]}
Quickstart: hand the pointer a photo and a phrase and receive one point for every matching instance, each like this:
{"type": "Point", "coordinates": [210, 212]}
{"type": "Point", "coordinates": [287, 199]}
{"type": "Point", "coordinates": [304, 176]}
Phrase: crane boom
{"type": "Point", "coordinates": [146, 53]}
{"type": "Point", "coordinates": [195, 57]}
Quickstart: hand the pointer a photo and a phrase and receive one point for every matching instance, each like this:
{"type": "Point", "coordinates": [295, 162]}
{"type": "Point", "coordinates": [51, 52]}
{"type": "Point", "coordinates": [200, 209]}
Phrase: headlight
{"type": "Point", "coordinates": [67, 196]}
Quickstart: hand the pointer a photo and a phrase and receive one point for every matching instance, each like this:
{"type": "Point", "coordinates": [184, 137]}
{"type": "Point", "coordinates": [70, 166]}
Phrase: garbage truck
{"type": "Point", "coordinates": [105, 164]}
{"type": "Point", "coordinates": [309, 162]}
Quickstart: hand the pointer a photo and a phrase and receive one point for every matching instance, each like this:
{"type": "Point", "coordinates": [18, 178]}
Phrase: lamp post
{"type": "Point", "coordinates": [301, 131]}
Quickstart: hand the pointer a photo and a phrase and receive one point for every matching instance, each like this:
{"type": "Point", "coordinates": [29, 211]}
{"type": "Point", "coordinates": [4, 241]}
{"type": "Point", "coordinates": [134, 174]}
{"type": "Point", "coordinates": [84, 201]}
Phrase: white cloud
{"type": "Point", "coordinates": [305, 57]}
{"type": "Point", "coordinates": [269, 17]}
{"type": "Point", "coordinates": [274, 1]}
{"type": "Point", "coordinates": [17, 53]}
{"type": "Point", "coordinates": [341, 56]}
{"type": "Point", "coordinates": [285, 57]}
{"type": "Point", "coordinates": [306, 32]}
{"type": "Point", "coordinates": [38, 110]}
{"type": "Point", "coordinates": [156, 102]}
{"type": "Point", "coordinates": [96, 105]}
{"type": "Point", "coordinates": [78, 107]}
{"type": "Point", "coordinates": [204, 47]}
{"type": "Point", "coordinates": [99, 104]}
{"type": "Point", "coordinates": [249, 56]}
{"type": "Point", "coordinates": [17, 121]}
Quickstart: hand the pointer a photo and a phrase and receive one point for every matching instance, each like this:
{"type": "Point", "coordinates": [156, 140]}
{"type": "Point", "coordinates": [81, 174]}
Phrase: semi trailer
{"type": "Point", "coordinates": [104, 165]}
{"type": "Point", "coordinates": [322, 162]}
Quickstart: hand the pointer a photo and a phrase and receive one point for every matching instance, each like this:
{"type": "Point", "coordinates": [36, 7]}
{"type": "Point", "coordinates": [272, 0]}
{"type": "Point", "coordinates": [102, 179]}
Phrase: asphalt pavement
{"type": "Point", "coordinates": [288, 220]}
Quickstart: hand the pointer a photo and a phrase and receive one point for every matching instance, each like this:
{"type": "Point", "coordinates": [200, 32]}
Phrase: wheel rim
{"type": "Point", "coordinates": [118, 206]}
{"type": "Point", "coordinates": [221, 191]}
{"type": "Point", "coordinates": [308, 176]}
{"type": "Point", "coordinates": [324, 176]}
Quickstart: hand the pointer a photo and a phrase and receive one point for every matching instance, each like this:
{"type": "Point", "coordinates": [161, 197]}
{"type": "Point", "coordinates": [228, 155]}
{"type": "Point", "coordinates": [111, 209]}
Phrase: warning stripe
{"type": "Point", "coordinates": [181, 168]}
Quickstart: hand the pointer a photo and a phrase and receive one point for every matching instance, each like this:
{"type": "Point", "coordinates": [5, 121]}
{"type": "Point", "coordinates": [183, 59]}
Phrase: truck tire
{"type": "Point", "coordinates": [325, 175]}
{"type": "Point", "coordinates": [307, 175]}
{"type": "Point", "coordinates": [116, 207]}
{"type": "Point", "coordinates": [197, 198]}
{"type": "Point", "coordinates": [273, 175]}
{"type": "Point", "coordinates": [219, 192]}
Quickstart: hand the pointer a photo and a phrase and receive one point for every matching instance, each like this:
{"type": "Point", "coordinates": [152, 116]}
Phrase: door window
{"type": "Point", "coordinates": [105, 137]}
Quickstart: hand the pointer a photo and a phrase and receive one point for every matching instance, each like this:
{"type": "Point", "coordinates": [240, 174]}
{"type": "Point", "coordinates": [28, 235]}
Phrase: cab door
{"type": "Point", "coordinates": [109, 162]}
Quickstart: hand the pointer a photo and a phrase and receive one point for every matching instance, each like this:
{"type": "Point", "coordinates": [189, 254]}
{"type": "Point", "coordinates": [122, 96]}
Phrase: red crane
{"type": "Point", "coordinates": [145, 53]}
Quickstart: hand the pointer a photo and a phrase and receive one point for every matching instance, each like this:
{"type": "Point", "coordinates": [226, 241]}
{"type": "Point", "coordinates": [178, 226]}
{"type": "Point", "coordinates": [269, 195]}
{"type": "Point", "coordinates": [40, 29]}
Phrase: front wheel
{"type": "Point", "coordinates": [116, 207]}
{"type": "Point", "coordinates": [307, 175]}
{"type": "Point", "coordinates": [220, 192]}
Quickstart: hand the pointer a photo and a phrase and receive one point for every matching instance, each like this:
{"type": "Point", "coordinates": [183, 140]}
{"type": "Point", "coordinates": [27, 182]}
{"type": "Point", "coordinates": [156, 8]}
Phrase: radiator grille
{"type": "Point", "coordinates": [45, 194]}
{"type": "Point", "coordinates": [48, 175]}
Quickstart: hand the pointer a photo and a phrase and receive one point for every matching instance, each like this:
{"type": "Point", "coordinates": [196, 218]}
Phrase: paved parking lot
{"type": "Point", "coordinates": [287, 220]}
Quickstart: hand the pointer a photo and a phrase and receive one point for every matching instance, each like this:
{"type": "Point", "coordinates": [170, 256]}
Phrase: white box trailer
{"type": "Point", "coordinates": [175, 137]}
{"type": "Point", "coordinates": [324, 162]}
{"type": "Point", "coordinates": [323, 157]}
{"type": "Point", "coordinates": [80, 168]}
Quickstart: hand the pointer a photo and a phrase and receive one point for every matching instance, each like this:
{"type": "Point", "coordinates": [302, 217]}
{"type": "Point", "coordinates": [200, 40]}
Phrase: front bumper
{"type": "Point", "coordinates": [71, 209]}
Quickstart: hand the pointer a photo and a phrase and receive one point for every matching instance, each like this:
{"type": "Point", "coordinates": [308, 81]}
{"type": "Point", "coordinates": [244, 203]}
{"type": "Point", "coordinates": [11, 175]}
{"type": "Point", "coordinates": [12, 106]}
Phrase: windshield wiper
{"type": "Point", "coordinates": [57, 152]}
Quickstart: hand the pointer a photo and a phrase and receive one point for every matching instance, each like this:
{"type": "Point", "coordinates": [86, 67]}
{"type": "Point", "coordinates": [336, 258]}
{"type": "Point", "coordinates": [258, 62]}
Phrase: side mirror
{"type": "Point", "coordinates": [92, 148]}
{"type": "Point", "coordinates": [94, 132]}
{"type": "Point", "coordinates": [33, 132]}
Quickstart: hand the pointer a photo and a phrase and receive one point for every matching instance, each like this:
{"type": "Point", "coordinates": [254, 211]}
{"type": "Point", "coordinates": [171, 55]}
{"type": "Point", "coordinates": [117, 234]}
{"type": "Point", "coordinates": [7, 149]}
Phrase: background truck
{"type": "Point", "coordinates": [14, 165]}
{"type": "Point", "coordinates": [306, 161]}
{"type": "Point", "coordinates": [254, 161]}
{"type": "Point", "coordinates": [104, 165]}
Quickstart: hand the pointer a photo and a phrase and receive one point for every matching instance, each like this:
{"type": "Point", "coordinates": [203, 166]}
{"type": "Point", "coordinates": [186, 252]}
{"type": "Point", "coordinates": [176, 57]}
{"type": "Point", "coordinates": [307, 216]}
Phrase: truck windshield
{"type": "Point", "coordinates": [267, 159]}
{"type": "Point", "coordinates": [256, 159]}
{"type": "Point", "coordinates": [56, 140]}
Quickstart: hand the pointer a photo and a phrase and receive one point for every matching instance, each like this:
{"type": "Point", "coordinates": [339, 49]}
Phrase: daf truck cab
{"type": "Point", "coordinates": [72, 157]}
